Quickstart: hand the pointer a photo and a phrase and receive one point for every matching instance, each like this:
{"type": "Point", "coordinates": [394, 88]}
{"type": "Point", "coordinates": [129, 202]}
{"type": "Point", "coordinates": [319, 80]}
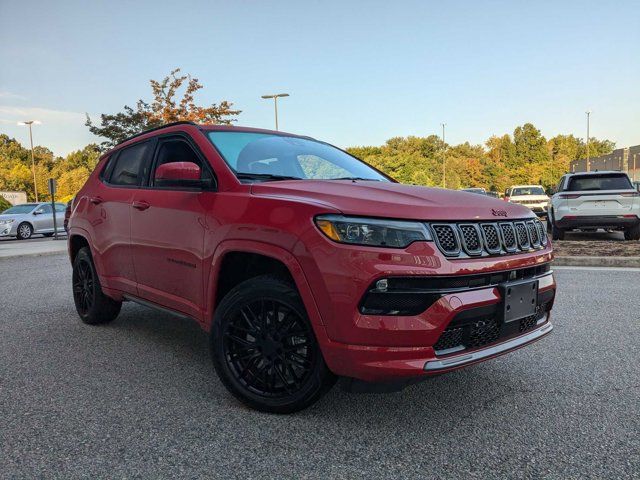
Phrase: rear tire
{"type": "Point", "coordinates": [92, 305]}
{"type": "Point", "coordinates": [25, 230]}
{"type": "Point", "coordinates": [264, 349]}
{"type": "Point", "coordinates": [632, 233]}
{"type": "Point", "coordinates": [556, 232]}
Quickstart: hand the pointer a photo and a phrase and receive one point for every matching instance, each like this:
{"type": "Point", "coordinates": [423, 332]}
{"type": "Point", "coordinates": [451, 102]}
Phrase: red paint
{"type": "Point", "coordinates": [167, 245]}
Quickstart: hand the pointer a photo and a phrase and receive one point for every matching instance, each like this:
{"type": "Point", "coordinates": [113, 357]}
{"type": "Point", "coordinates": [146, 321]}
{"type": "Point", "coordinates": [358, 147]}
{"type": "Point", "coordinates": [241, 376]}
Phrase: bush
{"type": "Point", "coordinates": [4, 204]}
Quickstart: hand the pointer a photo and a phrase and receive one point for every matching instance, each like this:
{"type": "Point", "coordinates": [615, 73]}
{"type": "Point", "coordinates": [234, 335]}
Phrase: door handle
{"type": "Point", "coordinates": [95, 200]}
{"type": "Point", "coordinates": [140, 205]}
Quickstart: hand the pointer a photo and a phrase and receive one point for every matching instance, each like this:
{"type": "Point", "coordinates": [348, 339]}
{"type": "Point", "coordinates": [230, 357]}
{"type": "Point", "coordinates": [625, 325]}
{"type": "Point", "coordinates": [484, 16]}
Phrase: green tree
{"type": "Point", "coordinates": [167, 106]}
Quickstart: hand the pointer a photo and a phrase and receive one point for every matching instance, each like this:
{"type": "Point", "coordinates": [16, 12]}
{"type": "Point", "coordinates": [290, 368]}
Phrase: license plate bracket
{"type": "Point", "coordinates": [519, 300]}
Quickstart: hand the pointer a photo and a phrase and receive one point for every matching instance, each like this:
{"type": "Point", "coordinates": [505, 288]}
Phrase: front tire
{"type": "Point", "coordinates": [632, 233]}
{"type": "Point", "coordinates": [264, 349]}
{"type": "Point", "coordinates": [25, 230]}
{"type": "Point", "coordinates": [93, 306]}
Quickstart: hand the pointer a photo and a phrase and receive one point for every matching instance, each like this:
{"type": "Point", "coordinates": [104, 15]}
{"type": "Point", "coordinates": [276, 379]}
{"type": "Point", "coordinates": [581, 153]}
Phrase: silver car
{"type": "Point", "coordinates": [24, 220]}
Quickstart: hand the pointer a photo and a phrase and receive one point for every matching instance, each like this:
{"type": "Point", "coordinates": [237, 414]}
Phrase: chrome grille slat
{"type": "Point", "coordinates": [474, 239]}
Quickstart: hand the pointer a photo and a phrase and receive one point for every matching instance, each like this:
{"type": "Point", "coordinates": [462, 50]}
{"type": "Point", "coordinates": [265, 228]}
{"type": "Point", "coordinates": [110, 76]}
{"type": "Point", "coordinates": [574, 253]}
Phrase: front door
{"type": "Point", "coordinates": [167, 233]}
{"type": "Point", "coordinates": [43, 219]}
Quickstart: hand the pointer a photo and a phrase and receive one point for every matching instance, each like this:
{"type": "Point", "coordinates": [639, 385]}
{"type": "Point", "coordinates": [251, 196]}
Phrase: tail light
{"type": "Point", "coordinates": [630, 194]}
{"type": "Point", "coordinates": [569, 195]}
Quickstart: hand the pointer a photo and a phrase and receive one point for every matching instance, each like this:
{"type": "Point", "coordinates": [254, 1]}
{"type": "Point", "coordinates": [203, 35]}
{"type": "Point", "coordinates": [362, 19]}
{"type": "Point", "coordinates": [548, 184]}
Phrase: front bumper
{"type": "Point", "coordinates": [458, 361]}
{"type": "Point", "coordinates": [7, 230]}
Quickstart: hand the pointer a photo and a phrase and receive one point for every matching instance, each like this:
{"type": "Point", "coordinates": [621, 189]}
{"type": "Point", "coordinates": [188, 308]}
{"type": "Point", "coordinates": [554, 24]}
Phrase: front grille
{"type": "Point", "coordinates": [533, 234]}
{"type": "Point", "coordinates": [471, 239]}
{"type": "Point", "coordinates": [468, 331]}
{"type": "Point", "coordinates": [483, 332]}
{"type": "Point", "coordinates": [447, 238]}
{"type": "Point", "coordinates": [450, 338]}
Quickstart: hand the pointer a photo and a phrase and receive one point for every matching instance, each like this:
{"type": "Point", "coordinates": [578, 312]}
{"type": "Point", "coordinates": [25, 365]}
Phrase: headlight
{"type": "Point", "coordinates": [372, 231]}
{"type": "Point", "coordinates": [7, 222]}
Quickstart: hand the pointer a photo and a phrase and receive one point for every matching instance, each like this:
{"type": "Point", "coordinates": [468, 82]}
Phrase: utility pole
{"type": "Point", "coordinates": [275, 103]}
{"type": "Point", "coordinates": [588, 112]}
{"type": "Point", "coordinates": [444, 159]}
{"type": "Point", "coordinates": [33, 162]}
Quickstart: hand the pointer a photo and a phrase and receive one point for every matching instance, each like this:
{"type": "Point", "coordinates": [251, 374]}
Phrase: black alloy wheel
{"type": "Point", "coordinates": [264, 348]}
{"type": "Point", "coordinates": [92, 305]}
{"type": "Point", "coordinates": [83, 286]}
{"type": "Point", "coordinates": [269, 348]}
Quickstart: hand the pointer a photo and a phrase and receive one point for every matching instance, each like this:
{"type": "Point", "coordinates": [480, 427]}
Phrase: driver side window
{"type": "Point", "coordinates": [177, 150]}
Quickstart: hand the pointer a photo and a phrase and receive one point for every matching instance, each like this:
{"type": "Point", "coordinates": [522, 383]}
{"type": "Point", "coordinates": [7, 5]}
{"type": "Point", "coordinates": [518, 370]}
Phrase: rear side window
{"type": "Point", "coordinates": [615, 181]}
{"type": "Point", "coordinates": [127, 170]}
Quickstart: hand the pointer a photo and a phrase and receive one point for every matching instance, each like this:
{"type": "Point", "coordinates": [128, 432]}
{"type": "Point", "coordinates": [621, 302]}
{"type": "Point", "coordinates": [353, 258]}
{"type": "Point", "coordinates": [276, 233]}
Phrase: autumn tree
{"type": "Point", "coordinates": [168, 105]}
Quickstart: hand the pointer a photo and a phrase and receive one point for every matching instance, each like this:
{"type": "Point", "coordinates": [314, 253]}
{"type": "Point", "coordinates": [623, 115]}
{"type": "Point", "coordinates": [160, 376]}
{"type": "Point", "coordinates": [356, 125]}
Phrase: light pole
{"type": "Point", "coordinates": [588, 112]}
{"type": "Point", "coordinates": [275, 103]}
{"type": "Point", "coordinates": [444, 159]}
{"type": "Point", "coordinates": [33, 162]}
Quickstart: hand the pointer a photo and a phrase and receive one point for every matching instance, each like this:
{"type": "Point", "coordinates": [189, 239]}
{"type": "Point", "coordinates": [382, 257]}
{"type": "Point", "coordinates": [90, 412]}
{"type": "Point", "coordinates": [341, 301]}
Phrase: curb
{"type": "Point", "coordinates": [628, 262]}
{"type": "Point", "coordinates": [33, 254]}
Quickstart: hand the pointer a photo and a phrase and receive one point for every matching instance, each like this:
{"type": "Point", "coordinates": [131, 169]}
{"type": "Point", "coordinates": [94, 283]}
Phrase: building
{"type": "Point", "coordinates": [622, 159]}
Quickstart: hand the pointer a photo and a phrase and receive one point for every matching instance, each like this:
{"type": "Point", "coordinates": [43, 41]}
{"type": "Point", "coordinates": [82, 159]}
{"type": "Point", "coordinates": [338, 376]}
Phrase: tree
{"type": "Point", "coordinates": [165, 107]}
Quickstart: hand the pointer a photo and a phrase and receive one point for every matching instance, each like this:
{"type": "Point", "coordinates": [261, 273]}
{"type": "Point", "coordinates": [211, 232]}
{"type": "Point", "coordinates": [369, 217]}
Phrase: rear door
{"type": "Point", "coordinates": [109, 212]}
{"type": "Point", "coordinates": [168, 227]}
{"type": "Point", "coordinates": [602, 195]}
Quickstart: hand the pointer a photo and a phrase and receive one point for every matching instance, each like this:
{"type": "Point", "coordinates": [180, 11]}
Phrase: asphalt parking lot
{"type": "Point", "coordinates": [138, 399]}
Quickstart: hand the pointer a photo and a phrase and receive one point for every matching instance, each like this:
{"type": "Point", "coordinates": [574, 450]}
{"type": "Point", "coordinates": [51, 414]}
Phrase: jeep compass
{"type": "Point", "coordinates": [303, 263]}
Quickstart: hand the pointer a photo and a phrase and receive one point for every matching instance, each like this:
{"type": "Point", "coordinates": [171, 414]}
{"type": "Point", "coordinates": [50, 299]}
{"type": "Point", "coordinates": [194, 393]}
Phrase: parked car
{"type": "Point", "coordinates": [531, 196]}
{"type": "Point", "coordinates": [480, 191]}
{"type": "Point", "coordinates": [67, 214]}
{"type": "Point", "coordinates": [24, 220]}
{"type": "Point", "coordinates": [592, 200]}
{"type": "Point", "coordinates": [304, 263]}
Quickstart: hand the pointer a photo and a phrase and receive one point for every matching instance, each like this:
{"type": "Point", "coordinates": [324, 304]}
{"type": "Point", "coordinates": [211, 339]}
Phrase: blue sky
{"type": "Point", "coordinates": [359, 72]}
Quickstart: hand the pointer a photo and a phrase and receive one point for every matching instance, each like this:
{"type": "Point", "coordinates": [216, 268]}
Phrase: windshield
{"type": "Point", "coordinates": [599, 182]}
{"type": "Point", "coordinates": [20, 209]}
{"type": "Point", "coordinates": [265, 156]}
{"type": "Point", "coordinates": [527, 191]}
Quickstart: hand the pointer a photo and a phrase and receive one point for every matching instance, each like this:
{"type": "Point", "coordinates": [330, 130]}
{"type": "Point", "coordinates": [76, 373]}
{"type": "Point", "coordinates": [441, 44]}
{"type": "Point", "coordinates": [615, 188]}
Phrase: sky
{"type": "Point", "coordinates": [358, 72]}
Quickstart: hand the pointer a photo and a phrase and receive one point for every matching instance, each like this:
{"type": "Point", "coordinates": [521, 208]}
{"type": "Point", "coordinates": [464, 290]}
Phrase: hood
{"type": "Point", "coordinates": [9, 216]}
{"type": "Point", "coordinates": [393, 200]}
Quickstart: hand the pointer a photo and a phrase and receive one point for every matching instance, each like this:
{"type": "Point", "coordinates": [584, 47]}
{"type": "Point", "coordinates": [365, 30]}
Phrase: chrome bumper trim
{"type": "Point", "coordinates": [435, 365]}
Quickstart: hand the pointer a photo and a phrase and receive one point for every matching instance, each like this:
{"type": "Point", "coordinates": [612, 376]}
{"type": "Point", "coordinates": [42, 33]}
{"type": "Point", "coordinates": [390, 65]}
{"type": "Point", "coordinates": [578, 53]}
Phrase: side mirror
{"type": "Point", "coordinates": [39, 211]}
{"type": "Point", "coordinates": [179, 174]}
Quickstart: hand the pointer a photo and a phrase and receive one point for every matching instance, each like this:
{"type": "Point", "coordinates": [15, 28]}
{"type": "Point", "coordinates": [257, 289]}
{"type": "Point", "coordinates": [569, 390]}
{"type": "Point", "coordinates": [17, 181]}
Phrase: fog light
{"type": "Point", "coordinates": [382, 285]}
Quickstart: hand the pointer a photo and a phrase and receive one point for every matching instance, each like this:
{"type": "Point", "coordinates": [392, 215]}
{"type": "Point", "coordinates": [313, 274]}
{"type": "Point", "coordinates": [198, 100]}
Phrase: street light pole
{"type": "Point", "coordinates": [444, 159]}
{"type": "Point", "coordinates": [588, 112]}
{"type": "Point", "coordinates": [275, 103]}
{"type": "Point", "coordinates": [33, 162]}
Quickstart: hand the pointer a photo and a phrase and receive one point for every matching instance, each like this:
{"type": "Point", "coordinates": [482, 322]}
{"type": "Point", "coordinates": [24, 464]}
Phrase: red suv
{"type": "Point", "coordinates": [304, 263]}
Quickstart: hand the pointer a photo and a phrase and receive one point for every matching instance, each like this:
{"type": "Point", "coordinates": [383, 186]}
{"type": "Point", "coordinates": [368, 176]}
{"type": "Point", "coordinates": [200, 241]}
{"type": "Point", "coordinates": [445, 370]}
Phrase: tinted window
{"type": "Point", "coordinates": [615, 181]}
{"type": "Point", "coordinates": [180, 151]}
{"type": "Point", "coordinates": [45, 208]}
{"type": "Point", "coordinates": [20, 209]}
{"type": "Point", "coordinates": [127, 169]}
{"type": "Point", "coordinates": [279, 155]}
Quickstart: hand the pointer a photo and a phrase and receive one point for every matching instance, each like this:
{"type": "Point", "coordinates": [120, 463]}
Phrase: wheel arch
{"type": "Point", "coordinates": [229, 268]}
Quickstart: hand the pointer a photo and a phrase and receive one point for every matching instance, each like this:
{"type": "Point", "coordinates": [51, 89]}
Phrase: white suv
{"type": "Point", "coordinates": [592, 200]}
{"type": "Point", "coordinates": [531, 196]}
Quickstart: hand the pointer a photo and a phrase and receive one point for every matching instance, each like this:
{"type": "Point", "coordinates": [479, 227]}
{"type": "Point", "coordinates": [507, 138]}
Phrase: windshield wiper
{"type": "Point", "coordinates": [265, 176]}
{"type": "Point", "coordinates": [355, 178]}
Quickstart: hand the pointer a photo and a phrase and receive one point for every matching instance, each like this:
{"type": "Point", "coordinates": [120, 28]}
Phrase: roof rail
{"type": "Point", "coordinates": [181, 122]}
